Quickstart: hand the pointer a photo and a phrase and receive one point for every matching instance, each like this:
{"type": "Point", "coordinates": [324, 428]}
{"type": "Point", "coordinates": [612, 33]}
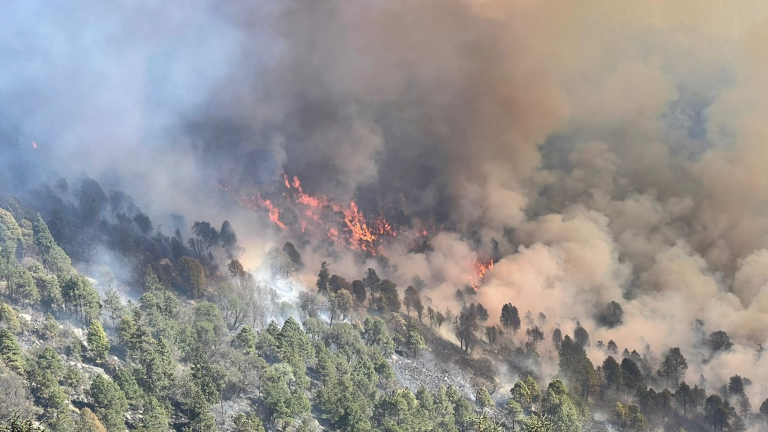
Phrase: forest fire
{"type": "Point", "coordinates": [273, 212]}
{"type": "Point", "coordinates": [481, 269]}
{"type": "Point", "coordinates": [340, 224]}
{"type": "Point", "coordinates": [363, 236]}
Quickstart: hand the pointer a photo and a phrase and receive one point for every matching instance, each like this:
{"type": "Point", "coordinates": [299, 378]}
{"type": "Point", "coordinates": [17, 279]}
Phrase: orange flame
{"type": "Point", "coordinates": [320, 213]}
{"type": "Point", "coordinates": [362, 237]}
{"type": "Point", "coordinates": [481, 269]}
{"type": "Point", "coordinates": [258, 202]}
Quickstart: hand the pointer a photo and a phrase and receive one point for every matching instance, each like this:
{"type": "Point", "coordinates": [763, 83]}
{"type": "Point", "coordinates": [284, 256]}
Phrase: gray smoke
{"type": "Point", "coordinates": [614, 150]}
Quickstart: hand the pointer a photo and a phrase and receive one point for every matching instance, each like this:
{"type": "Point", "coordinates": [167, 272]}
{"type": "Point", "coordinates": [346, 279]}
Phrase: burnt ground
{"type": "Point", "coordinates": [444, 363]}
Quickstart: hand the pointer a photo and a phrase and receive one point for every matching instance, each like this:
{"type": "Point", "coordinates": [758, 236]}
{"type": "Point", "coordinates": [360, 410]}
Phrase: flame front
{"type": "Point", "coordinates": [259, 202]}
{"type": "Point", "coordinates": [481, 269]}
{"type": "Point", "coordinates": [320, 215]}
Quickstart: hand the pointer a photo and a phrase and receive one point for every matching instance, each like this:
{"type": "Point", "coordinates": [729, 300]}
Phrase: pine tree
{"type": "Point", "coordinates": [81, 298]}
{"type": "Point", "coordinates": [247, 423]}
{"type": "Point", "coordinates": [323, 278]}
{"type": "Point", "coordinates": [9, 319]}
{"type": "Point", "coordinates": [10, 352]}
{"type": "Point", "coordinates": [411, 298]}
{"type": "Point", "coordinates": [110, 403]}
{"type": "Point", "coordinates": [510, 318]}
{"type": "Point", "coordinates": [192, 276]}
{"type": "Point", "coordinates": [414, 341]}
{"type": "Point", "coordinates": [52, 256]}
{"type": "Point", "coordinates": [127, 383]}
{"type": "Point", "coordinates": [673, 366]}
{"type": "Point", "coordinates": [483, 398]}
{"type": "Point", "coordinates": [98, 343]}
{"type": "Point", "coordinates": [371, 281]}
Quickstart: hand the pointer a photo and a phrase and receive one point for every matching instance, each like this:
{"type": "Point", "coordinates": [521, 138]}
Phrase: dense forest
{"type": "Point", "coordinates": [195, 342]}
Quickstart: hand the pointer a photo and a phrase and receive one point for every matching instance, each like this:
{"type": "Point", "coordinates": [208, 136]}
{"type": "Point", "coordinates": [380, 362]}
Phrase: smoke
{"type": "Point", "coordinates": [598, 150]}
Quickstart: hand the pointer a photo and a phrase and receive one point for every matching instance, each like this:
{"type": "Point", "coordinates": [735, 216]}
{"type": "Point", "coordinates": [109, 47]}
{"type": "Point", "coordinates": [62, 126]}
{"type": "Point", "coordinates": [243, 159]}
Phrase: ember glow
{"type": "Point", "coordinates": [321, 217]}
{"type": "Point", "coordinates": [258, 202]}
{"type": "Point", "coordinates": [481, 269]}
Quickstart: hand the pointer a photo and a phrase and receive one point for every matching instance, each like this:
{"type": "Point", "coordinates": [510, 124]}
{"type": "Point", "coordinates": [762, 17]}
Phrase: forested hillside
{"type": "Point", "coordinates": [195, 342]}
{"type": "Point", "coordinates": [384, 215]}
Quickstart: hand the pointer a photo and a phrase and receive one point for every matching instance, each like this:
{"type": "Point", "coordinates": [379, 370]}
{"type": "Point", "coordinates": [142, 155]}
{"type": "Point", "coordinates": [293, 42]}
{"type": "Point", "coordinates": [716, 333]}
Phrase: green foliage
{"type": "Point", "coordinates": [161, 313]}
{"type": "Point", "coordinates": [483, 398]}
{"type": "Point", "coordinates": [49, 362]}
{"type": "Point", "coordinates": [538, 423]}
{"type": "Point", "coordinates": [396, 411]}
{"type": "Point", "coordinates": [192, 277]}
{"type": "Point", "coordinates": [127, 383]}
{"type": "Point", "coordinates": [209, 326]}
{"type": "Point", "coordinates": [51, 255]}
{"type": "Point", "coordinates": [514, 412]}
{"type": "Point", "coordinates": [315, 328]}
{"type": "Point", "coordinates": [81, 298]}
{"type": "Point", "coordinates": [245, 341]}
{"type": "Point", "coordinates": [339, 371]}
{"type": "Point", "coordinates": [463, 414]}
{"type": "Point", "coordinates": [340, 305]}
{"type": "Point", "coordinates": [247, 423]}
{"type": "Point", "coordinates": [560, 408]}
{"type": "Point", "coordinates": [45, 375]}
{"type": "Point", "coordinates": [294, 347]}
{"type": "Point", "coordinates": [375, 334]}
{"type": "Point", "coordinates": [526, 393]}
{"type": "Point", "coordinates": [151, 283]}
{"type": "Point", "coordinates": [345, 340]}
{"type": "Point", "coordinates": [72, 378]}
{"type": "Point", "coordinates": [414, 340]}
{"type": "Point", "coordinates": [10, 352]}
{"type": "Point", "coordinates": [10, 234]}
{"type": "Point", "coordinates": [577, 369]}
{"type": "Point", "coordinates": [154, 418]}
{"type": "Point", "coordinates": [20, 285]}
{"type": "Point", "coordinates": [210, 379]}
{"type": "Point", "coordinates": [156, 367]}
{"type": "Point", "coordinates": [346, 392]}
{"type": "Point", "coordinates": [20, 425]}
{"type": "Point", "coordinates": [8, 318]}
{"type": "Point", "coordinates": [282, 402]}
{"type": "Point", "coordinates": [50, 291]}
{"type": "Point", "coordinates": [110, 403]}
{"type": "Point", "coordinates": [98, 343]}
{"type": "Point", "coordinates": [389, 298]}
{"type": "Point", "coordinates": [50, 328]}
{"type": "Point", "coordinates": [629, 417]}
